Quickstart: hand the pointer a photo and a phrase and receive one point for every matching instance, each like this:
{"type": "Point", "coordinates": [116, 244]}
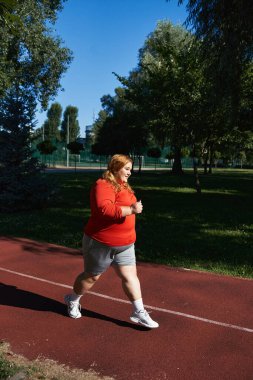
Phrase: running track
{"type": "Point", "coordinates": [206, 321]}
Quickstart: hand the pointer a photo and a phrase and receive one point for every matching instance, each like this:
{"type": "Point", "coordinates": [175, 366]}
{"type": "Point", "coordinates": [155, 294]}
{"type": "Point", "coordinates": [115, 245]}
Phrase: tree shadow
{"type": "Point", "coordinates": [13, 296]}
{"type": "Point", "coordinates": [212, 230]}
{"type": "Point", "coordinates": [40, 248]}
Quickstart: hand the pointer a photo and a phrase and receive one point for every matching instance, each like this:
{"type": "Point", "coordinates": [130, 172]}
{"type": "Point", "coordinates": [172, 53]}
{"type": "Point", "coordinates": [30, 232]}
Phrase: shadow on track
{"type": "Point", "coordinates": [40, 248]}
{"type": "Point", "coordinates": [12, 296]}
{"type": "Point", "coordinates": [93, 314]}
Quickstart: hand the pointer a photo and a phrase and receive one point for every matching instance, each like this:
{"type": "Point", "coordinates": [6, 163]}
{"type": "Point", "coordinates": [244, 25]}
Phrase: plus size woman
{"type": "Point", "coordinates": [109, 238]}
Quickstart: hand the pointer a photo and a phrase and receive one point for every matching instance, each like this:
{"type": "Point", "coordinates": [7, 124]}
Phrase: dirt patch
{"type": "Point", "coordinates": [41, 368]}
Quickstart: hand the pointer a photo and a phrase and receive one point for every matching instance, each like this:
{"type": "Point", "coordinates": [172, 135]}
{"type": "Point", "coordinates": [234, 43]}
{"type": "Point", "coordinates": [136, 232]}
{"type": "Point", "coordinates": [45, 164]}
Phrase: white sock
{"type": "Point", "coordinates": [138, 305]}
{"type": "Point", "coordinates": [75, 297]}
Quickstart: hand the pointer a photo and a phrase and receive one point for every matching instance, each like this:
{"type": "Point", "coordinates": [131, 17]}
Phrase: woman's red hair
{"type": "Point", "coordinates": [117, 162]}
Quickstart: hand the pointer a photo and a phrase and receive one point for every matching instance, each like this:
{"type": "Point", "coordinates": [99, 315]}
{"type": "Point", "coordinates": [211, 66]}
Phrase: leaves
{"type": "Point", "coordinates": [32, 56]}
{"type": "Point", "coordinates": [75, 147]}
{"type": "Point", "coordinates": [225, 27]}
{"type": "Point", "coordinates": [32, 63]}
{"type": "Point", "coordinates": [70, 129]}
{"type": "Point", "coordinates": [46, 147]}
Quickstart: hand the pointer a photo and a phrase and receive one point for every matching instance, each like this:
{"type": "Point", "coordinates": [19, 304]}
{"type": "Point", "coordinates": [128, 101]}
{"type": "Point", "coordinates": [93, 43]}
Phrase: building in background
{"type": "Point", "coordinates": [88, 131]}
{"type": "Point", "coordinates": [86, 141]}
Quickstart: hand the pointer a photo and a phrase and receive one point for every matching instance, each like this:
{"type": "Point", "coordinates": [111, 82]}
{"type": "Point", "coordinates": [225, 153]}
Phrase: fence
{"type": "Point", "coordinates": [87, 159]}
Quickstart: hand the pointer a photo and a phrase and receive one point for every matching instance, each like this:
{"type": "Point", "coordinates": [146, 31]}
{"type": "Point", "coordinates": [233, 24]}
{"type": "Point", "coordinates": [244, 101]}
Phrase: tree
{"type": "Point", "coordinates": [230, 141]}
{"type": "Point", "coordinates": [6, 6]}
{"type": "Point", "coordinates": [70, 126]}
{"type": "Point", "coordinates": [46, 147]}
{"type": "Point", "coordinates": [32, 54]}
{"type": "Point", "coordinates": [225, 27]}
{"type": "Point", "coordinates": [166, 86]}
{"type": "Point", "coordinates": [75, 148]}
{"type": "Point", "coordinates": [53, 122]}
{"type": "Point", "coordinates": [21, 183]}
{"type": "Point", "coordinates": [121, 130]}
{"type": "Point", "coordinates": [154, 153]}
{"type": "Point", "coordinates": [98, 124]}
{"type": "Point", "coordinates": [6, 12]}
{"type": "Point", "coordinates": [33, 61]}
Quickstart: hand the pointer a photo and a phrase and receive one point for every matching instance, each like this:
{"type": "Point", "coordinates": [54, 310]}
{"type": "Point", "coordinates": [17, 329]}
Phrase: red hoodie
{"type": "Point", "coordinates": [106, 223]}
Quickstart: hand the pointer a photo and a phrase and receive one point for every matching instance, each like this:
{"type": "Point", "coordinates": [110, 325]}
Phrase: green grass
{"type": "Point", "coordinates": [7, 368]}
{"type": "Point", "coordinates": [211, 232]}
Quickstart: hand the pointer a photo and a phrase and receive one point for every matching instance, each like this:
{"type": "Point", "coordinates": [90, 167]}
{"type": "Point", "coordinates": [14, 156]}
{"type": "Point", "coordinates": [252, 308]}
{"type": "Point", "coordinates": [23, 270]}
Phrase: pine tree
{"type": "Point", "coordinates": [22, 185]}
{"type": "Point", "coordinates": [32, 63]}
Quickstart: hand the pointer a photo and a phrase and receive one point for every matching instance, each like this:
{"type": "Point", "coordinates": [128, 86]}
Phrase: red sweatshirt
{"type": "Point", "coordinates": [106, 223]}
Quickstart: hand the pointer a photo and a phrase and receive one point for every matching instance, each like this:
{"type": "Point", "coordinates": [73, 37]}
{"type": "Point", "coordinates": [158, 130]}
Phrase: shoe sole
{"type": "Point", "coordinates": [136, 320]}
{"type": "Point", "coordinates": [66, 302]}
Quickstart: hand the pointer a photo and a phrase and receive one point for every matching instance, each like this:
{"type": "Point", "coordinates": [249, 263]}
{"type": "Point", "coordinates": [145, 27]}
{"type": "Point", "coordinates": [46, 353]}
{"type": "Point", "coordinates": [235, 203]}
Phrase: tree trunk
{"type": "Point", "coordinates": [140, 164]}
{"type": "Point", "coordinates": [177, 164]}
{"type": "Point", "coordinates": [205, 164]}
{"type": "Point", "coordinates": [133, 168]}
{"type": "Point", "coordinates": [211, 162]}
{"type": "Point", "coordinates": [196, 176]}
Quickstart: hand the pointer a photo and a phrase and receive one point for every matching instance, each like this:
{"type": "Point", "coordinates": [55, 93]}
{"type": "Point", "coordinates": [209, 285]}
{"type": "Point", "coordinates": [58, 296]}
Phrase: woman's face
{"type": "Point", "coordinates": [124, 172]}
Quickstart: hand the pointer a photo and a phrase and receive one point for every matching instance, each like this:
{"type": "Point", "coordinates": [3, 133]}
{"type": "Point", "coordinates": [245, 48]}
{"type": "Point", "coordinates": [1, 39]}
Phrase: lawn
{"type": "Point", "coordinates": [210, 232]}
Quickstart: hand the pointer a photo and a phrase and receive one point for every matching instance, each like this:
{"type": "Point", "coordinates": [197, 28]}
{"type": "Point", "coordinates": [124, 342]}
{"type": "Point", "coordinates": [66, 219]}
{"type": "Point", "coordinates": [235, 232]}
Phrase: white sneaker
{"type": "Point", "coordinates": [74, 308]}
{"type": "Point", "coordinates": [142, 318]}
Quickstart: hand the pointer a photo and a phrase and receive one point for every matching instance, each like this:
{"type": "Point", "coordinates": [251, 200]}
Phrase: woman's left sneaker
{"type": "Point", "coordinates": [142, 318]}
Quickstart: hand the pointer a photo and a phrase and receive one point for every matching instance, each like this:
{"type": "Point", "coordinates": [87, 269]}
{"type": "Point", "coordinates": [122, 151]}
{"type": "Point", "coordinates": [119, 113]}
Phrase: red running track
{"type": "Point", "coordinates": [206, 321]}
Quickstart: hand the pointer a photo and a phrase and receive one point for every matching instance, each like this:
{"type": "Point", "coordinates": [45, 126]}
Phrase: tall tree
{"type": "Point", "coordinates": [21, 184]}
{"type": "Point", "coordinates": [34, 61]}
{"type": "Point", "coordinates": [166, 86]}
{"type": "Point", "coordinates": [53, 122]}
{"type": "Point", "coordinates": [111, 137]}
{"type": "Point", "coordinates": [98, 124]}
{"type": "Point", "coordinates": [122, 129]}
{"type": "Point", "coordinates": [70, 128]}
{"type": "Point", "coordinates": [225, 27]}
{"type": "Point", "coordinates": [32, 54]}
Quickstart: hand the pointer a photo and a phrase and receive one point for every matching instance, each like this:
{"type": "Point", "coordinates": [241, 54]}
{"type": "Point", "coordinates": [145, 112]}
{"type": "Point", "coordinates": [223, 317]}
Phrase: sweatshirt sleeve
{"type": "Point", "coordinates": [105, 200]}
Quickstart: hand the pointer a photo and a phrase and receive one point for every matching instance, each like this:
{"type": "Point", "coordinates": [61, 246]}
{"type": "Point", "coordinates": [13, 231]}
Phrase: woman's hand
{"type": "Point", "coordinates": [137, 207]}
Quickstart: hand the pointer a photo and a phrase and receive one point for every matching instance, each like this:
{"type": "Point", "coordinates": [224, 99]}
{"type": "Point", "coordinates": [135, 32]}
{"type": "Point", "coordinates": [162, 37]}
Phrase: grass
{"type": "Point", "coordinates": [210, 232]}
{"type": "Point", "coordinates": [40, 369]}
{"type": "Point", "coordinates": [8, 368]}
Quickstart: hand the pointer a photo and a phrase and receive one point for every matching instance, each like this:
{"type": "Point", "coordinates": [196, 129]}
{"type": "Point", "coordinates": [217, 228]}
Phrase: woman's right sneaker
{"type": "Point", "coordinates": [142, 318]}
{"type": "Point", "coordinates": [74, 308]}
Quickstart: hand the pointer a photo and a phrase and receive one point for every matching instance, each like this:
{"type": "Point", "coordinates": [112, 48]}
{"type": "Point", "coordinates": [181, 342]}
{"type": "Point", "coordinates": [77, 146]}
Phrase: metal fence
{"type": "Point", "coordinates": [88, 160]}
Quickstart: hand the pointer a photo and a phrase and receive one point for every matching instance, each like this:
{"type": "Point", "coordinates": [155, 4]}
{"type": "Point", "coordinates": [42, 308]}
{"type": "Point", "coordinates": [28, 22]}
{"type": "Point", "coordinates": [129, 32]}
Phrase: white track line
{"type": "Point", "coordinates": [227, 325]}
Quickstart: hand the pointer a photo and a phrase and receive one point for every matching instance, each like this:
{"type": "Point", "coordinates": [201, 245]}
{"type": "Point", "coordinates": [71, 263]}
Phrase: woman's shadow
{"type": "Point", "coordinates": [12, 296]}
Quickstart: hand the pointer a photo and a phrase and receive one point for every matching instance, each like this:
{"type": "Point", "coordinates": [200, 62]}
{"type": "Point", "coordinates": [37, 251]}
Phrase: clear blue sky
{"type": "Point", "coordinates": [104, 36]}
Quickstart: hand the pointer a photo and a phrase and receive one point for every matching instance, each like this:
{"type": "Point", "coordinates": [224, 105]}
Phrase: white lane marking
{"type": "Point", "coordinates": [227, 325]}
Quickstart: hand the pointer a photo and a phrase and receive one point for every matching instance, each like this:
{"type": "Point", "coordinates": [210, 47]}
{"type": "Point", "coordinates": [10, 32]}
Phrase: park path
{"type": "Point", "coordinates": [206, 320]}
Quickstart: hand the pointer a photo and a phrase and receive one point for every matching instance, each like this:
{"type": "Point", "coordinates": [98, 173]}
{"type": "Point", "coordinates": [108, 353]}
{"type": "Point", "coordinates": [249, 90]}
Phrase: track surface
{"type": "Point", "coordinates": [206, 321]}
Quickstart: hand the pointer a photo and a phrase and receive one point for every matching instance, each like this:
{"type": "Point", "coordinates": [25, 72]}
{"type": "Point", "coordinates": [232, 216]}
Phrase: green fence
{"type": "Point", "coordinates": [88, 160]}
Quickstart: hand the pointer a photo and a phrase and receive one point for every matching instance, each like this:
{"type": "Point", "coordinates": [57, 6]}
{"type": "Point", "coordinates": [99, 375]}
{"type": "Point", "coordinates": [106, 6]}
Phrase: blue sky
{"type": "Point", "coordinates": [104, 36]}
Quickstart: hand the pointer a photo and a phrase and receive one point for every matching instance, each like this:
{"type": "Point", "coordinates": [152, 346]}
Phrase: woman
{"type": "Point", "coordinates": [109, 239]}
